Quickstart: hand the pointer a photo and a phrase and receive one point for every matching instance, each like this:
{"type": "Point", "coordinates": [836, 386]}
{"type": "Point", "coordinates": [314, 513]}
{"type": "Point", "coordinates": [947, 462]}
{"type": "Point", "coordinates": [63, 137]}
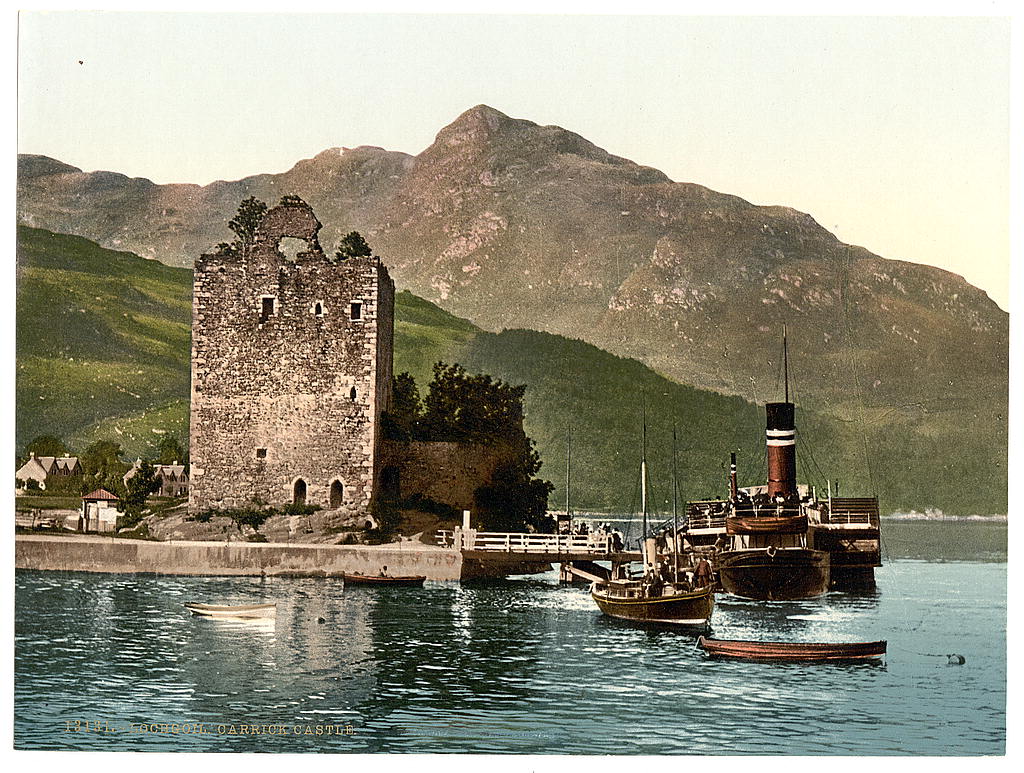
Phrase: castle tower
{"type": "Point", "coordinates": [291, 369]}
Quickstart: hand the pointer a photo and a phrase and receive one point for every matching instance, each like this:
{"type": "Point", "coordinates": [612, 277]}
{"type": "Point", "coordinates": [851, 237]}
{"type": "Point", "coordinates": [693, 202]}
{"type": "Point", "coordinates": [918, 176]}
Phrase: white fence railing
{"type": "Point", "coordinates": [522, 542]}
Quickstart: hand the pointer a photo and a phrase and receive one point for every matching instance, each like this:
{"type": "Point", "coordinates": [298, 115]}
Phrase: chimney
{"type": "Point", "coordinates": [781, 440]}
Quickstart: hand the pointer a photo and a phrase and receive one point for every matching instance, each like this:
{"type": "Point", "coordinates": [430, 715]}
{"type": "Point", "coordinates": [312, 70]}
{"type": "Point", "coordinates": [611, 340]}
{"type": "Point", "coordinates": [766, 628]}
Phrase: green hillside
{"type": "Point", "coordinates": [102, 336]}
{"type": "Point", "coordinates": [103, 347]}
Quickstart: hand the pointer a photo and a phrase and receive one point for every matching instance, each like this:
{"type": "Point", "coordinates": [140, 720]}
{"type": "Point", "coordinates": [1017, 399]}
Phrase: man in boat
{"type": "Point", "coordinates": [704, 574]}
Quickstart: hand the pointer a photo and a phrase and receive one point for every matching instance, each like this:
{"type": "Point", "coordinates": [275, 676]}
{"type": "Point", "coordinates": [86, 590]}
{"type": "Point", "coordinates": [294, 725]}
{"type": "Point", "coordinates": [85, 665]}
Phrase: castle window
{"type": "Point", "coordinates": [319, 309]}
{"type": "Point", "coordinates": [357, 310]}
{"type": "Point", "coordinates": [299, 492]}
{"type": "Point", "coordinates": [268, 308]}
{"type": "Point", "coordinates": [352, 393]}
{"type": "Point", "coordinates": [261, 453]}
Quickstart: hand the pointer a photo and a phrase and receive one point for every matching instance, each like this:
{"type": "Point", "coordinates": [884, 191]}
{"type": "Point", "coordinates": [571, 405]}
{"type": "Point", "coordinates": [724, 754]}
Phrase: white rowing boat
{"type": "Point", "coordinates": [244, 611]}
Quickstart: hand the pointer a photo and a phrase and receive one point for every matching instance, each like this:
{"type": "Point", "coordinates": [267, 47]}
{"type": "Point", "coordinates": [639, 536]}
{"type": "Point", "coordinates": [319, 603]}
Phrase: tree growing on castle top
{"type": "Point", "coordinates": [244, 224]}
{"type": "Point", "coordinates": [353, 245]}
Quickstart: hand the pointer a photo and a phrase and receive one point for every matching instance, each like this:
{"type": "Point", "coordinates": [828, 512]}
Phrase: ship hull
{"type": "Point", "coordinates": [691, 609]}
{"type": "Point", "coordinates": [788, 573]}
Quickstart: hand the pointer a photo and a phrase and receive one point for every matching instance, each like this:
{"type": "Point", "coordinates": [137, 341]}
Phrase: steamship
{"type": "Point", "coordinates": [782, 540]}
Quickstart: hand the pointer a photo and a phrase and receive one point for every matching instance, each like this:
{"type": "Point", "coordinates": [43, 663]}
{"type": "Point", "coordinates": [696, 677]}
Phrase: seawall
{"type": "Point", "coordinates": [105, 554]}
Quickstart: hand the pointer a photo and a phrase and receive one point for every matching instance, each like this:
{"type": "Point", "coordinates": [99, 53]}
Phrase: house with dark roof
{"type": "Point", "coordinates": [41, 468]}
{"type": "Point", "coordinates": [173, 478]}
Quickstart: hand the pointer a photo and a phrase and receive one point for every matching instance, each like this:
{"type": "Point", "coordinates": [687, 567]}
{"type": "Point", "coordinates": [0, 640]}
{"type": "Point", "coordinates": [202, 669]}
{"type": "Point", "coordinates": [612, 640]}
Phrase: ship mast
{"type": "Point", "coordinates": [643, 469]}
{"type": "Point", "coordinates": [785, 361]}
{"type": "Point", "coordinates": [675, 510]}
{"type": "Point", "coordinates": [568, 478]}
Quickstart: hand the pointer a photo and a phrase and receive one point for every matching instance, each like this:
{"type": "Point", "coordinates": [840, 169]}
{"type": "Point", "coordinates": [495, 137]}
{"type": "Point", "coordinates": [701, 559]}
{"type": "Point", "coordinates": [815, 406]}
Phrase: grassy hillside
{"type": "Point", "coordinates": [102, 337]}
{"type": "Point", "coordinates": [103, 346]}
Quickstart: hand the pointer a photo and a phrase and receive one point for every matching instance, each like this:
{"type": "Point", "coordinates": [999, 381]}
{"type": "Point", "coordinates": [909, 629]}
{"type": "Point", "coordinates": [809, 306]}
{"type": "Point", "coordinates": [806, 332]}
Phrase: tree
{"type": "Point", "coordinates": [245, 222]}
{"type": "Point", "coordinates": [170, 450]}
{"type": "Point", "coordinates": [140, 485]}
{"type": "Point", "coordinates": [514, 499]}
{"type": "Point", "coordinates": [483, 410]}
{"type": "Point", "coordinates": [46, 445]}
{"type": "Point", "coordinates": [102, 466]}
{"type": "Point", "coordinates": [353, 245]}
{"type": "Point", "coordinates": [402, 420]}
{"type": "Point", "coordinates": [476, 408]}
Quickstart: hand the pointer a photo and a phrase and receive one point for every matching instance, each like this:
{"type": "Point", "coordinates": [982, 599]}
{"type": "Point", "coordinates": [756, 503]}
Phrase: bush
{"type": "Point", "coordinates": [130, 519]}
{"type": "Point", "coordinates": [427, 505]}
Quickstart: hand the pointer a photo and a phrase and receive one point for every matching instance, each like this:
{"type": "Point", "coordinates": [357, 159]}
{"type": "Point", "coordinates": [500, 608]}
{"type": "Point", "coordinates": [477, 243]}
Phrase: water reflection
{"type": "Point", "coordinates": [524, 666]}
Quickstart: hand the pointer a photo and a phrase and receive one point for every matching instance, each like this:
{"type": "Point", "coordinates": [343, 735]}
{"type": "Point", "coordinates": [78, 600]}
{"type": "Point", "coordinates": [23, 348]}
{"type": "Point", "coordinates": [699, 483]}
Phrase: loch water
{"type": "Point", "coordinates": [525, 665]}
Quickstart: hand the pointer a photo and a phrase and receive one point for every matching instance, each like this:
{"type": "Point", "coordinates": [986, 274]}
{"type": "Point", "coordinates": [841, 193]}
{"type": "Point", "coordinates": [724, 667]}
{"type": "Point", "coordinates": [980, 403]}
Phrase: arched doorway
{"type": "Point", "coordinates": [299, 492]}
{"type": "Point", "coordinates": [337, 494]}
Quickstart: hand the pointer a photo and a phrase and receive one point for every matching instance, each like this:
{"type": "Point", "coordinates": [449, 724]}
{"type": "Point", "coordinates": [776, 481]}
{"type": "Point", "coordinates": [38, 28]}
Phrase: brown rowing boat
{"type": "Point", "coordinates": [369, 579]}
{"type": "Point", "coordinates": [779, 650]}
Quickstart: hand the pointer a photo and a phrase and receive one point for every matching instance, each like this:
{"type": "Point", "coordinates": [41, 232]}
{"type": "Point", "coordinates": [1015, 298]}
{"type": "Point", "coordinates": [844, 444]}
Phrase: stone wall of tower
{"type": "Point", "coordinates": [291, 369]}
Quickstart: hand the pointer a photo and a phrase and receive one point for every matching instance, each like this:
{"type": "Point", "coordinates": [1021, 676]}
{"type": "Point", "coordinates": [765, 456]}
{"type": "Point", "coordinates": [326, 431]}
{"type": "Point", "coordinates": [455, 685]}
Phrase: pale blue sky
{"type": "Point", "coordinates": [891, 132]}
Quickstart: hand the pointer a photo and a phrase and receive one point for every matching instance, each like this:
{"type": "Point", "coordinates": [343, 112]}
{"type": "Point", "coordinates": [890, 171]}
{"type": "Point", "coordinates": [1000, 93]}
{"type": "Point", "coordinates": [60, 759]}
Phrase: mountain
{"type": "Point", "coordinates": [513, 225]}
{"type": "Point", "coordinates": [103, 342]}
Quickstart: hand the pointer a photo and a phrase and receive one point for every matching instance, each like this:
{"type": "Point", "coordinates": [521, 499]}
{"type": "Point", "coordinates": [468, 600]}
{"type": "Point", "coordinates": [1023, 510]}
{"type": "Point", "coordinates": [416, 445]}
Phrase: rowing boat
{"type": "Point", "coordinates": [245, 611]}
{"type": "Point", "coordinates": [779, 650]}
{"type": "Point", "coordinates": [368, 579]}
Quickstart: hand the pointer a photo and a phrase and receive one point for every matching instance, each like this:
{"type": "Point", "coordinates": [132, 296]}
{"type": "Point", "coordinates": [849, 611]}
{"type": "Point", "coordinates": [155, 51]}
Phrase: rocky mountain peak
{"type": "Point", "coordinates": [30, 166]}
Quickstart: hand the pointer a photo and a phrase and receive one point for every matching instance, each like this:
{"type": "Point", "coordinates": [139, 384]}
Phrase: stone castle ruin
{"type": "Point", "coordinates": [291, 370]}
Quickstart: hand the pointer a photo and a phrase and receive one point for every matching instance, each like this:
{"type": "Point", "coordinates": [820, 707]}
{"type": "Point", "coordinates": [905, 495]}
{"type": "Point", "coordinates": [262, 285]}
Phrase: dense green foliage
{"type": "Point", "coordinates": [169, 450]}
{"type": "Point", "coordinates": [352, 245]}
{"type": "Point", "coordinates": [103, 347]}
{"type": "Point", "coordinates": [139, 487]}
{"type": "Point", "coordinates": [461, 407]}
{"type": "Point", "coordinates": [245, 222]}
{"type": "Point", "coordinates": [46, 445]}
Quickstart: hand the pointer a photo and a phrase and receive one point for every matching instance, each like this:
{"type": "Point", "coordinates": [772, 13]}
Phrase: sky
{"type": "Point", "coordinates": [892, 132]}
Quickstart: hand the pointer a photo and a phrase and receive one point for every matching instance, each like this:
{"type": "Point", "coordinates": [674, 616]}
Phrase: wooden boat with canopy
{"type": "Point", "coordinates": [793, 651]}
{"type": "Point", "coordinates": [665, 594]}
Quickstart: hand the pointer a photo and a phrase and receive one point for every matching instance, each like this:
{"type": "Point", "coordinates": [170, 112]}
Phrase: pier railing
{"type": "Point", "coordinates": [522, 542]}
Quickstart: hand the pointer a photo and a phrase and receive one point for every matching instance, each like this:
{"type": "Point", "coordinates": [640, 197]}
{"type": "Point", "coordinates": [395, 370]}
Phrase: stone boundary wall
{"type": "Point", "coordinates": [442, 471]}
{"type": "Point", "coordinates": [111, 555]}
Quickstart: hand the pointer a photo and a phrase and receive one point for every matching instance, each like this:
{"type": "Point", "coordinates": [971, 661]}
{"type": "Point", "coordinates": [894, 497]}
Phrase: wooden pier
{"type": "Point", "coordinates": [536, 552]}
